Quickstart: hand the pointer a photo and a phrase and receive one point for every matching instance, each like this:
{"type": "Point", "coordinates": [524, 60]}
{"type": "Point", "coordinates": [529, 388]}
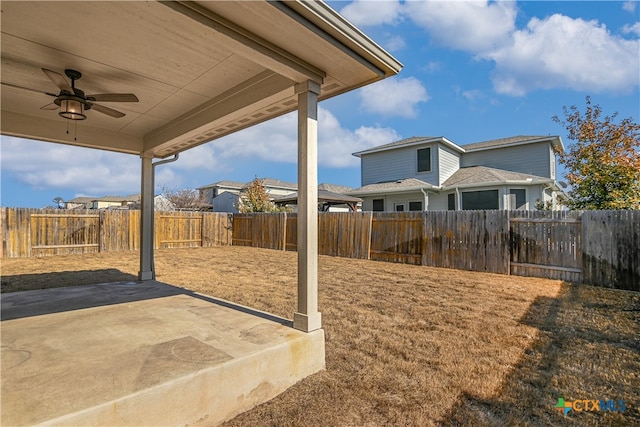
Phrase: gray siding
{"type": "Point", "coordinates": [449, 163]}
{"type": "Point", "coordinates": [396, 164]}
{"type": "Point", "coordinates": [532, 159]}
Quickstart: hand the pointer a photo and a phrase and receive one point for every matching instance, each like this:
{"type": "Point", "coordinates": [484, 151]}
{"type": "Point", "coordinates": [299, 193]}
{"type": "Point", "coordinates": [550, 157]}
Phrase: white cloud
{"type": "Point", "coordinates": [43, 165]}
{"type": "Point", "coordinates": [561, 52]}
{"type": "Point", "coordinates": [473, 26]}
{"type": "Point", "coordinates": [277, 141]}
{"type": "Point", "coordinates": [632, 29]}
{"type": "Point", "coordinates": [394, 97]}
{"type": "Point", "coordinates": [363, 13]}
{"type": "Point", "coordinates": [629, 6]}
{"type": "Point", "coordinates": [395, 43]}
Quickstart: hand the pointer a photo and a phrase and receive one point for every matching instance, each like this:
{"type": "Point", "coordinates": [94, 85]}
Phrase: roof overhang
{"type": "Point", "coordinates": [441, 139]}
{"type": "Point", "coordinates": [201, 70]}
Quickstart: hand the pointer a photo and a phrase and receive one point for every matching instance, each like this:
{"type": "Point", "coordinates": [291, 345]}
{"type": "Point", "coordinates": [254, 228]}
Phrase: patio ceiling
{"type": "Point", "coordinates": [201, 70]}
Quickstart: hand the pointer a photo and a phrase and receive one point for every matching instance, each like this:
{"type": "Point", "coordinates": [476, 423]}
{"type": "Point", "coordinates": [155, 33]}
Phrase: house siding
{"type": "Point", "coordinates": [396, 164]}
{"type": "Point", "coordinates": [449, 163]}
{"type": "Point", "coordinates": [531, 159]}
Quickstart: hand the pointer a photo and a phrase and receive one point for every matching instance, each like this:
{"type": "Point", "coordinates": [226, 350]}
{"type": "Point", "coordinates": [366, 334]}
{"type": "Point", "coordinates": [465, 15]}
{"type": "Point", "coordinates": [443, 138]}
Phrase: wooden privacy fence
{"type": "Point", "coordinates": [36, 232]}
{"type": "Point", "coordinates": [596, 247]}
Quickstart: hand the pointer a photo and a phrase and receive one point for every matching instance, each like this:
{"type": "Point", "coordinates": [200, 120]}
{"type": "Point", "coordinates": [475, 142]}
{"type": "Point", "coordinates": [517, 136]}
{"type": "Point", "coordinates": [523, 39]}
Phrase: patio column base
{"type": "Point", "coordinates": [307, 322]}
{"type": "Point", "coordinates": [145, 275]}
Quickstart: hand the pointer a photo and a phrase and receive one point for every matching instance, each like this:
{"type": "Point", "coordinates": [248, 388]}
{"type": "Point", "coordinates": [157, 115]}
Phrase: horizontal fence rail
{"type": "Point", "coordinates": [595, 247]}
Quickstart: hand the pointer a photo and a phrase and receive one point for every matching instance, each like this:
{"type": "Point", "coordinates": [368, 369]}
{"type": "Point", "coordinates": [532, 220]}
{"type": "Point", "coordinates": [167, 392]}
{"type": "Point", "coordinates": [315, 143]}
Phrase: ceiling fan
{"type": "Point", "coordinates": [72, 101]}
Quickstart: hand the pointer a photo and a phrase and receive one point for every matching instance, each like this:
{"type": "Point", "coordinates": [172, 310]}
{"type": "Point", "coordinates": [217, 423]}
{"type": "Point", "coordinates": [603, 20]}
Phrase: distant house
{"type": "Point", "coordinates": [81, 202]}
{"type": "Point", "coordinates": [433, 173]}
{"type": "Point", "coordinates": [115, 202]}
{"type": "Point", "coordinates": [224, 195]}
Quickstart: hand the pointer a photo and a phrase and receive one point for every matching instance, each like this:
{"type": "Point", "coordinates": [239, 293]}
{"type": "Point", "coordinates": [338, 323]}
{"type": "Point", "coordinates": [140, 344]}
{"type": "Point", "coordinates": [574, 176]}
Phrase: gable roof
{"type": "Point", "coordinates": [408, 142]}
{"type": "Point", "coordinates": [334, 188]}
{"type": "Point", "coordinates": [475, 176]}
{"type": "Point", "coordinates": [554, 140]}
{"type": "Point", "coordinates": [397, 186]}
{"type": "Point", "coordinates": [274, 183]}
{"type": "Point", "coordinates": [223, 184]}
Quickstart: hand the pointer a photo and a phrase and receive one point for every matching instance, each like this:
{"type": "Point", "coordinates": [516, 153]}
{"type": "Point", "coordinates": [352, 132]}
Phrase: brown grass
{"type": "Point", "coordinates": [410, 345]}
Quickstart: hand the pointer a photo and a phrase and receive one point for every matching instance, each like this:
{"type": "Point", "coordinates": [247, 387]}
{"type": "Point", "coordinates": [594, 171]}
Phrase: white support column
{"type": "Point", "coordinates": [307, 318]}
{"type": "Point", "coordinates": [146, 221]}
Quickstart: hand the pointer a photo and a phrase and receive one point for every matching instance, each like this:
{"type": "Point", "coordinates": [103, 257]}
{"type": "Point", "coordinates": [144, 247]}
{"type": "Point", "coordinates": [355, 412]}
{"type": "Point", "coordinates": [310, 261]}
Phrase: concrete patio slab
{"type": "Point", "coordinates": [143, 353]}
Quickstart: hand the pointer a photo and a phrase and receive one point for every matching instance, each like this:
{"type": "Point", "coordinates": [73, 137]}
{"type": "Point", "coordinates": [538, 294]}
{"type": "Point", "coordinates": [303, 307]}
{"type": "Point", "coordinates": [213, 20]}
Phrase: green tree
{"type": "Point", "coordinates": [603, 162]}
{"type": "Point", "coordinates": [256, 199]}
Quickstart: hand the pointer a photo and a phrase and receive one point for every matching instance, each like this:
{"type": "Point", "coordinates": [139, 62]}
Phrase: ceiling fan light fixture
{"type": "Point", "coordinates": [72, 109]}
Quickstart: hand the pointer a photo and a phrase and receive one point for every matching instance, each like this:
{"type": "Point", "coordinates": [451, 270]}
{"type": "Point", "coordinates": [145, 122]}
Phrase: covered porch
{"type": "Point", "coordinates": [199, 71]}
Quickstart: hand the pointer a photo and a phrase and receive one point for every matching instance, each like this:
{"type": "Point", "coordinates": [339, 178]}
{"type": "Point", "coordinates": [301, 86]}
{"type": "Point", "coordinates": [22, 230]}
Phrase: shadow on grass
{"type": "Point", "coordinates": [29, 282]}
{"type": "Point", "coordinates": [588, 347]}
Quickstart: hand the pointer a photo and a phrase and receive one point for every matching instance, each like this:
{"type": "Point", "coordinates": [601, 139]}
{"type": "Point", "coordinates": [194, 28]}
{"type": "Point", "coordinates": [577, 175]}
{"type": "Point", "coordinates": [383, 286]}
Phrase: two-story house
{"type": "Point", "coordinates": [433, 173]}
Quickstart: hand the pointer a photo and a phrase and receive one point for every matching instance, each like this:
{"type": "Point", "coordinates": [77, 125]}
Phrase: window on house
{"type": "Point", "coordinates": [398, 207]}
{"type": "Point", "coordinates": [424, 160]}
{"type": "Point", "coordinates": [378, 205]}
{"type": "Point", "coordinates": [451, 202]}
{"type": "Point", "coordinates": [415, 206]}
{"type": "Point", "coordinates": [475, 200]}
{"type": "Point", "coordinates": [521, 197]}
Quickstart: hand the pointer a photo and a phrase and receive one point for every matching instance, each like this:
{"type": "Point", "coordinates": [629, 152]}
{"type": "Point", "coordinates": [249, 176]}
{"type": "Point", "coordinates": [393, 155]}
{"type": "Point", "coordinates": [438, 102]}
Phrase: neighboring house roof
{"type": "Point", "coordinates": [335, 188]}
{"type": "Point", "coordinates": [274, 183]}
{"type": "Point", "coordinates": [475, 176]}
{"type": "Point", "coordinates": [81, 199]}
{"type": "Point", "coordinates": [323, 196]}
{"type": "Point", "coordinates": [414, 140]}
{"type": "Point", "coordinates": [397, 186]}
{"type": "Point", "coordinates": [555, 141]}
{"type": "Point", "coordinates": [223, 184]}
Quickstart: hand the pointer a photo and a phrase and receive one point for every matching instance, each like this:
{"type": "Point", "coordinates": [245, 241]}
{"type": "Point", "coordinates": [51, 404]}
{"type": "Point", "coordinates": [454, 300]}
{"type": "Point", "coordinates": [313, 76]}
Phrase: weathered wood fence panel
{"type": "Point", "coordinates": [37, 232]}
{"type": "Point", "coordinates": [217, 229]}
{"type": "Point", "coordinates": [548, 247]}
{"type": "Point", "coordinates": [344, 234]}
{"type": "Point", "coordinates": [467, 240]}
{"type": "Point", "coordinates": [53, 233]}
{"type": "Point", "coordinates": [178, 229]}
{"type": "Point", "coordinates": [611, 249]}
{"type": "Point", "coordinates": [397, 237]}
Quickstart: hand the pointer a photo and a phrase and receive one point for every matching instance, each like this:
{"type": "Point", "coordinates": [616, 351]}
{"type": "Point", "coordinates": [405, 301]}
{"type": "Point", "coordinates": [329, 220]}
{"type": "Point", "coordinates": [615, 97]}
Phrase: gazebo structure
{"type": "Point", "coordinates": [154, 79]}
{"type": "Point", "coordinates": [326, 199]}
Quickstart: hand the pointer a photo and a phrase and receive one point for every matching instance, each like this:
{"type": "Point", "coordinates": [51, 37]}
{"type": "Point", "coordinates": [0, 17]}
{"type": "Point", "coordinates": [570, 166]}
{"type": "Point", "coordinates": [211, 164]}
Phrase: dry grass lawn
{"type": "Point", "coordinates": [410, 345]}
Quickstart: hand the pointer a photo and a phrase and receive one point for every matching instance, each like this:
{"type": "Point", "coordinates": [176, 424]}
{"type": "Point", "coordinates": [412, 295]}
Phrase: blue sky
{"type": "Point", "coordinates": [473, 71]}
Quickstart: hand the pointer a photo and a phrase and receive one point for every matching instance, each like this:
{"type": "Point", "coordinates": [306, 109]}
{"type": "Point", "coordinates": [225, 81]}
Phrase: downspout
{"type": "Point", "coordinates": [153, 208]}
{"type": "Point", "coordinates": [458, 206]}
{"type": "Point", "coordinates": [426, 198]}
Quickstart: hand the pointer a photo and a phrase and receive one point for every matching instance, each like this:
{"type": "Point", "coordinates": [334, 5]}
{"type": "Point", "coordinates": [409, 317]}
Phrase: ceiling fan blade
{"type": "Point", "coordinates": [27, 88]}
{"type": "Point", "coordinates": [108, 111]}
{"type": "Point", "coordinates": [58, 80]}
{"type": "Point", "coordinates": [113, 97]}
{"type": "Point", "coordinates": [51, 106]}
